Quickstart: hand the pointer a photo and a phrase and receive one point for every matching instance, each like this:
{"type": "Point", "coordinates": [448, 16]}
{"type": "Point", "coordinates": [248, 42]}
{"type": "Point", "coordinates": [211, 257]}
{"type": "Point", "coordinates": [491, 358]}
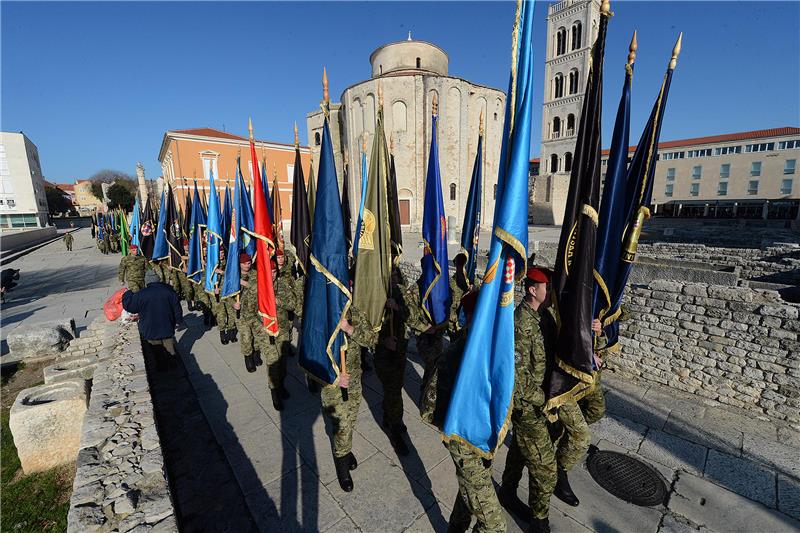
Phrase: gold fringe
{"type": "Point", "coordinates": [501, 436]}
{"type": "Point", "coordinates": [590, 212]}
{"type": "Point", "coordinates": [436, 279]}
{"type": "Point", "coordinates": [332, 279]}
{"type": "Point", "coordinates": [514, 243]}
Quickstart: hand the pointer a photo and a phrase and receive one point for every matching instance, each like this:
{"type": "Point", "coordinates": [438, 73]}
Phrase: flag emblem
{"type": "Point", "coordinates": [147, 228]}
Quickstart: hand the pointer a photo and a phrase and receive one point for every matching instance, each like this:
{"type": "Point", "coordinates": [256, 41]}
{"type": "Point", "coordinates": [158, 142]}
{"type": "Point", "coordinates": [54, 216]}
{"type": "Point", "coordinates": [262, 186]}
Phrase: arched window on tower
{"type": "Point", "coordinates": [419, 63]}
{"type": "Point", "coordinates": [558, 86]}
{"type": "Point", "coordinates": [553, 164]}
{"type": "Point", "coordinates": [316, 138]}
{"type": "Point", "coordinates": [556, 128]}
{"type": "Point", "coordinates": [576, 35]}
{"type": "Point", "coordinates": [452, 191]}
{"type": "Point", "coordinates": [561, 41]}
{"type": "Point", "coordinates": [570, 125]}
{"type": "Point", "coordinates": [567, 162]}
{"type": "Point", "coordinates": [573, 81]}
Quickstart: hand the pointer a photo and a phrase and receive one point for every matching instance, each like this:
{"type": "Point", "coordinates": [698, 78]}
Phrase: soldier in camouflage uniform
{"type": "Point", "coordinates": [68, 240]}
{"type": "Point", "coordinates": [107, 240]}
{"type": "Point", "coordinates": [224, 313]}
{"type": "Point", "coordinates": [390, 361]}
{"type": "Point", "coordinates": [113, 240]}
{"type": "Point", "coordinates": [593, 404]}
{"type": "Point", "coordinates": [132, 268]}
{"type": "Point", "coordinates": [251, 329]}
{"type": "Point", "coordinates": [531, 445]}
{"type": "Point", "coordinates": [277, 350]}
{"type": "Point", "coordinates": [342, 413]}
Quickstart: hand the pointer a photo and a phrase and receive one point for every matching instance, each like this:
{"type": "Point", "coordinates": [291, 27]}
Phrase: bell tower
{"type": "Point", "coordinates": [571, 31]}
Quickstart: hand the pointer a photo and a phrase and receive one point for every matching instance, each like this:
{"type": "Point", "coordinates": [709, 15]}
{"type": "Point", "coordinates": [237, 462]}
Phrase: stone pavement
{"type": "Point", "coordinates": [726, 471]}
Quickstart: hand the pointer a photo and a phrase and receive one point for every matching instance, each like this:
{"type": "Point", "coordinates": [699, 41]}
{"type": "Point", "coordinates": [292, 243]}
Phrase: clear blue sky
{"type": "Point", "coordinates": [96, 85]}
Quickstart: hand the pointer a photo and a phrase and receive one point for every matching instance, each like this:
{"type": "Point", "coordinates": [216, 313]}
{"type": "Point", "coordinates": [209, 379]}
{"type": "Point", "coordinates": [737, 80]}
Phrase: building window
{"type": "Point", "coordinates": [495, 116]}
{"type": "Point", "coordinates": [570, 125]}
{"type": "Point", "coordinates": [694, 189]}
{"type": "Point", "coordinates": [317, 139]}
{"type": "Point", "coordinates": [576, 35]}
{"type": "Point", "coordinates": [556, 128]}
{"type": "Point", "coordinates": [760, 147]}
{"type": "Point", "coordinates": [725, 170]}
{"type": "Point", "coordinates": [673, 155]}
{"type": "Point", "coordinates": [700, 153]}
{"type": "Point", "coordinates": [697, 172]}
{"type": "Point", "coordinates": [573, 82]}
{"type": "Point", "coordinates": [553, 163]}
{"type": "Point", "coordinates": [668, 190]}
{"type": "Point", "coordinates": [558, 86]}
{"type": "Point", "coordinates": [788, 166]}
{"type": "Point", "coordinates": [752, 187]}
{"type": "Point", "coordinates": [12, 203]}
{"type": "Point", "coordinates": [788, 145]}
{"type": "Point", "coordinates": [722, 188]}
{"type": "Point", "coordinates": [670, 174]}
{"type": "Point", "coordinates": [452, 192]}
{"type": "Point", "coordinates": [567, 161]}
{"type": "Point", "coordinates": [561, 41]}
{"type": "Point", "coordinates": [419, 63]}
{"type": "Point", "coordinates": [494, 192]}
{"type": "Point", "coordinates": [725, 150]}
{"type": "Point", "coordinates": [755, 168]}
{"type": "Point", "coordinates": [786, 186]}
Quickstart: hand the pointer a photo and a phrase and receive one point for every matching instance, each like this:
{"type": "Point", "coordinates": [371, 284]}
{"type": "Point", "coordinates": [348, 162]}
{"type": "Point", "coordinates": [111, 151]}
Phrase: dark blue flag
{"type": "Point", "coordinates": [194, 269]}
{"type": "Point", "coordinates": [161, 247]}
{"type": "Point", "coordinates": [246, 215]}
{"type": "Point", "coordinates": [472, 217]}
{"type": "Point", "coordinates": [226, 219]}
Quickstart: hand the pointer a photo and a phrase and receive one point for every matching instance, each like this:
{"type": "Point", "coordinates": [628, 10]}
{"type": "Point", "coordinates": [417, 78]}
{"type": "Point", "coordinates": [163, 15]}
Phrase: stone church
{"type": "Point", "coordinates": [411, 72]}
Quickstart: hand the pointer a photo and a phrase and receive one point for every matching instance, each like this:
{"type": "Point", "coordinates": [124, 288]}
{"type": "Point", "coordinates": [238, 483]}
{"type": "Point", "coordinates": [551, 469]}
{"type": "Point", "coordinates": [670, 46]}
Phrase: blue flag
{"type": "Point", "coordinates": [161, 246]}
{"type": "Point", "coordinates": [194, 268]}
{"type": "Point", "coordinates": [213, 238]}
{"type": "Point", "coordinates": [328, 281]}
{"type": "Point", "coordinates": [361, 205]}
{"type": "Point", "coordinates": [480, 406]}
{"type": "Point", "coordinates": [435, 285]}
{"type": "Point", "coordinates": [247, 219]}
{"type": "Point", "coordinates": [231, 283]}
{"type": "Point", "coordinates": [471, 228]}
{"type": "Point", "coordinates": [226, 219]}
{"type": "Point", "coordinates": [133, 230]}
{"type": "Point", "coordinates": [100, 228]}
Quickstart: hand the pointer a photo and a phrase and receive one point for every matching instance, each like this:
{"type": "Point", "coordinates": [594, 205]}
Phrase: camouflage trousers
{"type": "Point", "coordinates": [390, 366]}
{"type": "Point", "coordinates": [593, 405]}
{"type": "Point", "coordinates": [252, 338]}
{"type": "Point", "coordinates": [224, 312]}
{"type": "Point", "coordinates": [135, 285]}
{"type": "Point", "coordinates": [476, 495]}
{"type": "Point", "coordinates": [429, 348]}
{"type": "Point", "coordinates": [531, 446]}
{"type": "Point", "coordinates": [574, 440]}
{"type": "Point", "coordinates": [201, 297]}
{"type": "Point", "coordinates": [185, 288]}
{"type": "Point", "coordinates": [343, 414]}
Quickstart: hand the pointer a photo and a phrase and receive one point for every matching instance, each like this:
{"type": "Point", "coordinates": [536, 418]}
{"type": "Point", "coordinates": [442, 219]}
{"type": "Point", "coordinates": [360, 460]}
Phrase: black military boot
{"type": "Point", "coordinates": [352, 463]}
{"type": "Point", "coordinates": [249, 363]}
{"type": "Point", "coordinates": [223, 336]}
{"type": "Point", "coordinates": [563, 491]}
{"type": "Point", "coordinates": [277, 401]}
{"type": "Point", "coordinates": [539, 525]}
{"type": "Point", "coordinates": [232, 334]}
{"type": "Point", "coordinates": [509, 499]}
{"type": "Point", "coordinates": [396, 432]}
{"type": "Point", "coordinates": [257, 358]}
{"type": "Point", "coordinates": [342, 465]}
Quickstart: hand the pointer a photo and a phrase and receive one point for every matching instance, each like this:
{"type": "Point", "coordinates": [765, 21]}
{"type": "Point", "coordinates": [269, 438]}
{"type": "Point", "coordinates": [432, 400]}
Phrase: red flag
{"type": "Point", "coordinates": [265, 245]}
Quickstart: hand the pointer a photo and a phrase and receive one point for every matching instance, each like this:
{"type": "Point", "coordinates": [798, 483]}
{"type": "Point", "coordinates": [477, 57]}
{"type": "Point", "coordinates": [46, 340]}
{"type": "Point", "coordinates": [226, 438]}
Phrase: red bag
{"type": "Point", "coordinates": [113, 306]}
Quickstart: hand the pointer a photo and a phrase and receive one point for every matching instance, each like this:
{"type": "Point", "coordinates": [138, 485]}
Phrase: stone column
{"type": "Point", "coordinates": [142, 184]}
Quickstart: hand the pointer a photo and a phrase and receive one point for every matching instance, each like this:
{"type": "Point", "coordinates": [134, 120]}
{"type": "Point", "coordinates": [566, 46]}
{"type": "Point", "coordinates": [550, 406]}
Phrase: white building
{"type": "Point", "coordinates": [23, 203]}
{"type": "Point", "coordinates": [410, 73]}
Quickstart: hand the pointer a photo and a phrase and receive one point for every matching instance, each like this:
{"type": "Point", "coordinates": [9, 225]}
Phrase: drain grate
{"type": "Point", "coordinates": [627, 478]}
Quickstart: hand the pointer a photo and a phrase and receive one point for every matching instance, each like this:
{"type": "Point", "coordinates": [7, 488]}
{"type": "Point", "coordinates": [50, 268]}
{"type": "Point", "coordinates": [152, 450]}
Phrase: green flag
{"type": "Point", "coordinates": [374, 254]}
{"type": "Point", "coordinates": [124, 238]}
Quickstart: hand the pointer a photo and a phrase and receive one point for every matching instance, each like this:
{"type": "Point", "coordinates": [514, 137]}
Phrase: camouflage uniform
{"type": "Point", "coordinates": [531, 445]}
{"type": "Point", "coordinates": [343, 414]}
{"type": "Point", "coordinates": [476, 495]}
{"type": "Point", "coordinates": [222, 308]}
{"type": "Point", "coordinates": [278, 349]}
{"type": "Point", "coordinates": [68, 240]}
{"type": "Point", "coordinates": [252, 335]}
{"type": "Point", "coordinates": [390, 365]}
{"type": "Point", "coordinates": [186, 287]}
{"type": "Point", "coordinates": [114, 241]}
{"type": "Point", "coordinates": [453, 326]}
{"type": "Point", "coordinates": [131, 272]}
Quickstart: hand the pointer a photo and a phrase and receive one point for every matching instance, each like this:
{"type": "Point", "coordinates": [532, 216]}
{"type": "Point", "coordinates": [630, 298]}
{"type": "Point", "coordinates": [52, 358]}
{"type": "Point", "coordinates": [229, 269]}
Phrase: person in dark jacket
{"type": "Point", "coordinates": [159, 310]}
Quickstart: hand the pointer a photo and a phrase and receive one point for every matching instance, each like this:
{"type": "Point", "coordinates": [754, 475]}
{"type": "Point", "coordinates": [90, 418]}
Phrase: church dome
{"type": "Point", "coordinates": [408, 57]}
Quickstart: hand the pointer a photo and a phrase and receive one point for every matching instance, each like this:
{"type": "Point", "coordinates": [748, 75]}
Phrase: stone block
{"type": "Point", "coordinates": [673, 451]}
{"type": "Point", "coordinates": [789, 496]}
{"type": "Point", "coordinates": [781, 311]}
{"type": "Point", "coordinates": [742, 477]}
{"type": "Point", "coordinates": [66, 369]}
{"type": "Point", "coordinates": [42, 340]}
{"type": "Point", "coordinates": [46, 424]}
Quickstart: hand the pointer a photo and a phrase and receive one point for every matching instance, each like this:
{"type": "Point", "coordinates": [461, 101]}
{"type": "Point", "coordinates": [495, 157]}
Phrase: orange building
{"type": "Point", "coordinates": [188, 155]}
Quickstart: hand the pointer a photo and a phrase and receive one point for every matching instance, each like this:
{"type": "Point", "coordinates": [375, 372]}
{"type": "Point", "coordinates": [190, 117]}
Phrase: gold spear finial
{"type": "Point", "coordinates": [380, 94]}
{"type": "Point", "coordinates": [296, 137]}
{"type": "Point", "coordinates": [605, 8]}
{"type": "Point", "coordinates": [676, 52]}
{"type": "Point", "coordinates": [481, 125]}
{"type": "Point", "coordinates": [632, 49]}
{"type": "Point", "coordinates": [250, 127]}
{"type": "Point", "coordinates": [325, 95]}
{"type": "Point", "coordinates": [364, 142]}
{"type": "Point", "coordinates": [435, 105]}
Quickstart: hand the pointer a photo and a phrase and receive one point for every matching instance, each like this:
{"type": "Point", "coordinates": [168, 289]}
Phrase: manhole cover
{"type": "Point", "coordinates": [627, 478]}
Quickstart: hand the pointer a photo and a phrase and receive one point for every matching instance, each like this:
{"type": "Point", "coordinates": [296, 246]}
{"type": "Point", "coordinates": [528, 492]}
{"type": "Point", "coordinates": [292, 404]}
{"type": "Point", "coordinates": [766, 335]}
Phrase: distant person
{"type": "Point", "coordinates": [68, 240]}
{"type": "Point", "coordinates": [159, 311]}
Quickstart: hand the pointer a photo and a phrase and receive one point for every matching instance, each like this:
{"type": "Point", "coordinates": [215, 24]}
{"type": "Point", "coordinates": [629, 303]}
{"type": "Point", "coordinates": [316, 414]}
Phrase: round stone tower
{"type": "Point", "coordinates": [408, 57]}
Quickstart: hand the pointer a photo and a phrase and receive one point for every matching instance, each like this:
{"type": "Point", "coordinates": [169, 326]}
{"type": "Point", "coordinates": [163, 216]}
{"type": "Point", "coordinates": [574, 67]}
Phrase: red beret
{"type": "Point", "coordinates": [133, 247]}
{"type": "Point", "coordinates": [538, 275]}
{"type": "Point", "coordinates": [244, 257]}
{"type": "Point", "coordinates": [468, 302]}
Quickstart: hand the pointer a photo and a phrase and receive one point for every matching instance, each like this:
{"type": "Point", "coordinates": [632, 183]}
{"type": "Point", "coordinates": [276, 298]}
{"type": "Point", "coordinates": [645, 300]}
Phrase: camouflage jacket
{"type": "Point", "coordinates": [394, 321]}
{"type": "Point", "coordinates": [285, 297]}
{"type": "Point", "coordinates": [132, 268]}
{"type": "Point", "coordinates": [248, 298]}
{"type": "Point", "coordinates": [457, 294]}
{"type": "Point", "coordinates": [530, 358]}
{"type": "Point", "coordinates": [68, 238]}
{"type": "Point", "coordinates": [363, 335]}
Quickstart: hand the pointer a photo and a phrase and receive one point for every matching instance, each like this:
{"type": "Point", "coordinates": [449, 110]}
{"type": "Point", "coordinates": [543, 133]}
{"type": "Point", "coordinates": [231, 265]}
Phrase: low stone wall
{"type": "Point", "coordinates": [733, 345]}
{"type": "Point", "coordinates": [120, 483]}
{"type": "Point", "coordinates": [12, 240]}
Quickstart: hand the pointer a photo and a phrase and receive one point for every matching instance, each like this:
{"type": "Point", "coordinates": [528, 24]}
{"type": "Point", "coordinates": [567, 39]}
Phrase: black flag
{"type": "Point", "coordinates": [174, 232]}
{"type": "Point", "coordinates": [346, 214]}
{"type": "Point", "coordinates": [148, 230]}
{"type": "Point", "coordinates": [300, 235]}
{"type": "Point", "coordinates": [394, 209]}
{"type": "Point", "coordinates": [573, 281]}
